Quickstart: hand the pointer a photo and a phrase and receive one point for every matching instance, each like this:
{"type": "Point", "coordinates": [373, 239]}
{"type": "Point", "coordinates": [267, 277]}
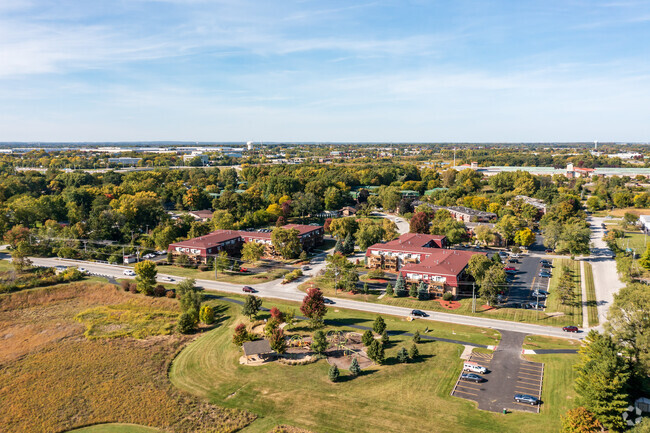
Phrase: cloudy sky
{"type": "Point", "coordinates": [303, 70]}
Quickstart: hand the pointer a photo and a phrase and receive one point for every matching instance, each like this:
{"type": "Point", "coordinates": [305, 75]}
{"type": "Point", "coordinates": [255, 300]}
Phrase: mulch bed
{"type": "Point", "coordinates": [449, 305]}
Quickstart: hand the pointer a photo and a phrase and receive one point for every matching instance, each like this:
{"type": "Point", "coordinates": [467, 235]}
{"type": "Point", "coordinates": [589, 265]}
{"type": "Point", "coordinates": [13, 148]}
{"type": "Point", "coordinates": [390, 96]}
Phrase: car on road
{"type": "Point", "coordinates": [472, 377]}
{"type": "Point", "coordinates": [503, 253]}
{"type": "Point", "coordinates": [527, 399]}
{"type": "Point", "coordinates": [243, 269]}
{"type": "Point", "coordinates": [570, 329]}
{"type": "Point", "coordinates": [83, 270]}
{"type": "Point", "coordinates": [248, 289]}
{"type": "Point", "coordinates": [418, 313]}
{"type": "Point", "coordinates": [544, 274]}
{"type": "Point", "coordinates": [161, 252]}
{"type": "Point", "coordinates": [306, 268]}
{"type": "Point", "coordinates": [129, 272]}
{"type": "Point", "coordinates": [166, 278]}
{"type": "Point", "coordinates": [548, 251]}
{"type": "Point", "coordinates": [328, 301]}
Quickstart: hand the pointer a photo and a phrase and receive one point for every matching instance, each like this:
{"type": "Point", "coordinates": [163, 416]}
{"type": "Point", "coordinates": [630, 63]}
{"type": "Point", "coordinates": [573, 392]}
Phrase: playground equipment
{"type": "Point", "coordinates": [340, 340]}
{"type": "Point", "coordinates": [298, 341]}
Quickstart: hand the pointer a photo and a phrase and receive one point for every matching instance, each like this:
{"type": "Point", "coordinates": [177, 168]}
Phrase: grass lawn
{"type": "Point", "coordinates": [541, 342]}
{"type": "Point", "coordinates": [5, 265]}
{"type": "Point", "coordinates": [411, 397]}
{"type": "Point", "coordinates": [571, 313]}
{"type": "Point", "coordinates": [634, 240]}
{"type": "Point", "coordinates": [116, 428]}
{"type": "Point", "coordinates": [620, 212]}
{"type": "Point", "coordinates": [557, 390]}
{"type": "Point", "coordinates": [225, 276]}
{"type": "Point", "coordinates": [592, 309]}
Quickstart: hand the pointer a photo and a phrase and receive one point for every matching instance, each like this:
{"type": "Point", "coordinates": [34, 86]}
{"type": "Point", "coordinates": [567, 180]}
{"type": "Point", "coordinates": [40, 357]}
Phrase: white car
{"type": "Point", "coordinates": [129, 272]}
{"type": "Point", "coordinates": [166, 278]}
{"type": "Point", "coordinates": [83, 270]}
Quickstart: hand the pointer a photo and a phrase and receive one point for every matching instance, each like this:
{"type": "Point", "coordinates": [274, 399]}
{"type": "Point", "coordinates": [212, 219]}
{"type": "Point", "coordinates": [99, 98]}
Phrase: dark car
{"type": "Point", "coordinates": [513, 260]}
{"type": "Point", "coordinates": [570, 329]}
{"type": "Point", "coordinates": [328, 301]}
{"type": "Point", "coordinates": [548, 251]}
{"type": "Point", "coordinates": [248, 289]}
{"type": "Point", "coordinates": [547, 265]}
{"type": "Point", "coordinates": [545, 274]}
{"type": "Point", "coordinates": [525, 398]}
{"type": "Point", "coordinates": [418, 313]}
{"type": "Point", "coordinates": [472, 377]}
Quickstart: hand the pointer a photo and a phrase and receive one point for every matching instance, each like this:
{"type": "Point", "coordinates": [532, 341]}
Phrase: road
{"type": "Point", "coordinates": [401, 223]}
{"type": "Point", "coordinates": [290, 292]}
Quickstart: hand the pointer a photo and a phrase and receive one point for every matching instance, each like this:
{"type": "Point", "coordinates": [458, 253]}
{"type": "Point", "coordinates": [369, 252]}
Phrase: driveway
{"type": "Point", "coordinates": [508, 375]}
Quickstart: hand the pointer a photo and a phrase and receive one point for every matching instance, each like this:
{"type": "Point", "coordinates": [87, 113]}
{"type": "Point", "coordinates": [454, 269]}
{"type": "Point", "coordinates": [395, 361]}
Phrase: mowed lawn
{"type": "Point", "coordinates": [224, 276]}
{"type": "Point", "coordinates": [592, 308]}
{"type": "Point", "coordinates": [636, 241]}
{"type": "Point", "coordinates": [410, 397]}
{"type": "Point", "coordinates": [571, 311]}
{"type": "Point", "coordinates": [116, 428]}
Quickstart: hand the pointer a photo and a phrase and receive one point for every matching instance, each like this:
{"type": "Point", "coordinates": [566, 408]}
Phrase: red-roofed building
{"type": "Point", "coordinates": [442, 271]}
{"type": "Point", "coordinates": [408, 248]}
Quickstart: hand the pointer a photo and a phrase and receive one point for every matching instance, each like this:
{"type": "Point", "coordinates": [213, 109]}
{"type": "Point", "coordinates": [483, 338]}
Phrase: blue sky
{"type": "Point", "coordinates": [238, 70]}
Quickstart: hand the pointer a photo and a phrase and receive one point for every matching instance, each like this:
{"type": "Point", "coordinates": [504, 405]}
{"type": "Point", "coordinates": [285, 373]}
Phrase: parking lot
{"type": "Point", "coordinates": [524, 281]}
{"type": "Point", "coordinates": [508, 374]}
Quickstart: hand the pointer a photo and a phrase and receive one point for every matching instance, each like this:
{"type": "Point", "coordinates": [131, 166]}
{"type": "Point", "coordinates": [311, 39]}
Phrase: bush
{"type": "Point", "coordinates": [376, 274]}
{"type": "Point", "coordinates": [292, 276]}
{"type": "Point", "coordinates": [186, 323]}
{"type": "Point", "coordinates": [414, 353]}
{"type": "Point", "coordinates": [126, 285]}
{"type": "Point", "coordinates": [133, 288]}
{"type": "Point", "coordinates": [241, 335]}
{"type": "Point", "coordinates": [367, 338]}
{"type": "Point", "coordinates": [170, 294]}
{"type": "Point", "coordinates": [447, 296]}
{"type": "Point", "coordinates": [402, 356]}
{"type": "Point", "coordinates": [204, 268]}
{"type": "Point", "coordinates": [159, 291]}
{"type": "Point", "coordinates": [333, 373]}
{"type": "Point", "coordinates": [379, 325]}
{"type": "Point", "coordinates": [416, 337]}
{"type": "Point", "coordinates": [354, 367]}
{"type": "Point", "coordinates": [206, 315]}
{"type": "Point", "coordinates": [277, 314]}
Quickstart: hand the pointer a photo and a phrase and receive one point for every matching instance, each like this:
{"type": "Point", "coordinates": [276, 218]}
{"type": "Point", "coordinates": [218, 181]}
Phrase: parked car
{"type": "Point", "coordinates": [538, 294]}
{"type": "Point", "coordinates": [547, 265]}
{"type": "Point", "coordinates": [503, 253]}
{"type": "Point", "coordinates": [544, 261]}
{"type": "Point", "coordinates": [243, 269]}
{"type": "Point", "coordinates": [129, 272]}
{"type": "Point", "coordinates": [537, 306]}
{"type": "Point", "coordinates": [513, 260]}
{"type": "Point", "coordinates": [161, 252]}
{"type": "Point", "coordinates": [248, 289]}
{"type": "Point", "coordinates": [83, 270]}
{"type": "Point", "coordinates": [545, 274]}
{"type": "Point", "coordinates": [525, 398]}
{"type": "Point", "coordinates": [474, 367]}
{"type": "Point", "coordinates": [548, 251]}
{"type": "Point", "coordinates": [166, 278]}
{"type": "Point", "coordinates": [328, 301]}
{"type": "Point", "coordinates": [570, 329]}
{"type": "Point", "coordinates": [306, 268]}
{"type": "Point", "coordinates": [471, 377]}
{"type": "Point", "coordinates": [509, 268]}
{"type": "Point", "coordinates": [418, 313]}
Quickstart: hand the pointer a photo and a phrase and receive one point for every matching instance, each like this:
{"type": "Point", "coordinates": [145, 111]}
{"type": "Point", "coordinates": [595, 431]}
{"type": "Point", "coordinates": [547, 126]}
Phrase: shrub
{"type": "Point", "coordinates": [414, 353]}
{"type": "Point", "coordinates": [447, 296]}
{"type": "Point", "coordinates": [319, 342]}
{"type": "Point", "coordinates": [206, 315]}
{"type": "Point", "coordinates": [159, 291]}
{"type": "Point", "coordinates": [416, 337]}
{"type": "Point", "coordinates": [277, 340]}
{"type": "Point", "coordinates": [204, 268]}
{"type": "Point", "coordinates": [379, 325]}
{"type": "Point", "coordinates": [170, 294]}
{"type": "Point", "coordinates": [186, 323]}
{"type": "Point", "coordinates": [126, 285]}
{"type": "Point", "coordinates": [241, 335]}
{"type": "Point", "coordinates": [333, 373]}
{"type": "Point", "coordinates": [402, 355]}
{"type": "Point", "coordinates": [271, 326]}
{"type": "Point", "coordinates": [355, 370]}
{"type": "Point", "coordinates": [277, 314]}
{"type": "Point", "coordinates": [292, 276]}
{"type": "Point", "coordinates": [389, 289]}
{"type": "Point", "coordinates": [133, 288]}
{"type": "Point", "coordinates": [367, 338]}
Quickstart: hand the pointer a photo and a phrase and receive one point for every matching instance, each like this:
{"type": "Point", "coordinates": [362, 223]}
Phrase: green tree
{"type": "Point", "coordinates": [379, 325]}
{"type": "Point", "coordinates": [644, 260]}
{"type": "Point", "coordinates": [484, 234]}
{"type": "Point", "coordinates": [389, 289]}
{"type": "Point", "coordinates": [342, 271]}
{"type": "Point", "coordinates": [384, 338]}
{"type": "Point", "coordinates": [189, 297]}
{"type": "Point", "coordinates": [344, 227]}
{"type": "Point", "coordinates": [252, 306]}
{"type": "Point", "coordinates": [313, 307]}
{"type": "Point", "coordinates": [478, 265]}
{"type": "Point", "coordinates": [423, 291]}
{"type": "Point", "coordinates": [319, 342]}
{"type": "Point", "coordinates": [575, 239]}
{"type": "Point", "coordinates": [580, 420]}
{"type": "Point", "coordinates": [367, 338]}
{"type": "Point", "coordinates": [252, 251]}
{"type": "Point", "coordinates": [376, 352]}
{"type": "Point", "coordinates": [416, 337]}
{"type": "Point", "coordinates": [400, 286]}
{"type": "Point", "coordinates": [206, 315]}
{"type": "Point", "coordinates": [348, 245]}
{"type": "Point", "coordinates": [333, 373]}
{"type": "Point", "coordinates": [145, 276]}
{"type": "Point", "coordinates": [491, 284]}
{"type": "Point", "coordinates": [220, 263]}
{"type": "Point", "coordinates": [565, 287]}
{"type": "Point", "coordinates": [507, 226]}
{"type": "Point", "coordinates": [286, 242]}
{"type": "Point", "coordinates": [369, 233]}
{"type": "Point", "coordinates": [223, 220]}
{"type": "Point", "coordinates": [20, 256]}
{"type": "Point", "coordinates": [413, 291]}
{"type": "Point", "coordinates": [601, 382]}
{"type": "Point", "coordinates": [186, 323]}
{"type": "Point", "coordinates": [277, 340]}
{"type": "Point", "coordinates": [414, 352]}
{"type": "Point", "coordinates": [355, 369]}
{"type": "Point", "coordinates": [402, 356]}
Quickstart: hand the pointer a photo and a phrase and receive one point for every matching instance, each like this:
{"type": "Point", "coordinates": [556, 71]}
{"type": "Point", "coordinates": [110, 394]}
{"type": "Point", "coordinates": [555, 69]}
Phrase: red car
{"type": "Point", "coordinates": [509, 268]}
{"type": "Point", "coordinates": [570, 329]}
{"type": "Point", "coordinates": [243, 269]}
{"type": "Point", "coordinates": [248, 289]}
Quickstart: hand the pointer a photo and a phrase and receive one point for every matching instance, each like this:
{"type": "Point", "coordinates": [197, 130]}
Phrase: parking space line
{"type": "Point", "coordinates": [469, 385]}
{"type": "Point", "coordinates": [533, 370]}
{"type": "Point", "coordinates": [465, 392]}
{"type": "Point", "coordinates": [525, 405]}
{"type": "Point", "coordinates": [531, 366]}
{"type": "Point", "coordinates": [531, 383]}
{"type": "Point", "coordinates": [529, 374]}
{"type": "Point", "coordinates": [528, 390]}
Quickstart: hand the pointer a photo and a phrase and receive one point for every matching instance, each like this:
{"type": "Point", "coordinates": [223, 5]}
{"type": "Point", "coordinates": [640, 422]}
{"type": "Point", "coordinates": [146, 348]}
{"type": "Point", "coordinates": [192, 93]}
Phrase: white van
{"type": "Point", "coordinates": [474, 368]}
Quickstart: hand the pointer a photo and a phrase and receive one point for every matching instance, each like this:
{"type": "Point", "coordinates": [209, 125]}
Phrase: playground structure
{"type": "Point", "coordinates": [344, 347]}
{"type": "Point", "coordinates": [299, 341]}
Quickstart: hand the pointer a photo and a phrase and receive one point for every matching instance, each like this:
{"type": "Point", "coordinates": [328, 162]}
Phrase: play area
{"type": "Point", "coordinates": [342, 348]}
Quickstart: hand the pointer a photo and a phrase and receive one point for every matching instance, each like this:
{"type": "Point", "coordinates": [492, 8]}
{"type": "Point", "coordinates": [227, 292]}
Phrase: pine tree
{"type": "Point", "coordinates": [366, 289]}
{"type": "Point", "coordinates": [348, 245]}
{"type": "Point", "coordinates": [601, 382]}
{"type": "Point", "coordinates": [338, 247]}
{"type": "Point", "coordinates": [645, 258]}
{"type": "Point", "coordinates": [423, 291]}
{"type": "Point", "coordinates": [389, 289]}
{"type": "Point", "coordinates": [379, 325]}
{"type": "Point", "coordinates": [252, 306]}
{"type": "Point", "coordinates": [402, 356]}
{"type": "Point", "coordinates": [413, 291]}
{"type": "Point", "coordinates": [416, 337]}
{"type": "Point", "coordinates": [333, 373]}
{"type": "Point", "coordinates": [319, 342]}
{"type": "Point", "coordinates": [414, 353]}
{"type": "Point", "coordinates": [355, 370]}
{"type": "Point", "coordinates": [400, 286]}
{"type": "Point", "coordinates": [367, 338]}
{"type": "Point", "coordinates": [376, 352]}
{"type": "Point", "coordinates": [384, 338]}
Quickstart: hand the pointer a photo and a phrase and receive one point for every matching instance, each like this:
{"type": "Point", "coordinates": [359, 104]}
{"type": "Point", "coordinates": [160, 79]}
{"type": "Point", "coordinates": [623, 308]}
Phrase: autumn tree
{"type": "Point", "coordinates": [145, 278]}
{"type": "Point", "coordinates": [286, 242]}
{"type": "Point", "coordinates": [580, 420]}
{"type": "Point", "coordinates": [524, 237]}
{"type": "Point", "coordinates": [252, 251]}
{"type": "Point", "coordinates": [419, 223]}
{"type": "Point", "coordinates": [313, 307]}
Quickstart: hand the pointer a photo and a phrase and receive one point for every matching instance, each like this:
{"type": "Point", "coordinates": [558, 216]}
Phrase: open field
{"type": "Point", "coordinates": [636, 241]}
{"type": "Point", "coordinates": [116, 428]}
{"type": "Point", "coordinates": [540, 342]}
{"type": "Point", "coordinates": [393, 397]}
{"type": "Point", "coordinates": [557, 390]}
{"type": "Point", "coordinates": [571, 312]}
{"type": "Point", "coordinates": [73, 381]}
{"type": "Point", "coordinates": [226, 276]}
{"type": "Point", "coordinates": [592, 308]}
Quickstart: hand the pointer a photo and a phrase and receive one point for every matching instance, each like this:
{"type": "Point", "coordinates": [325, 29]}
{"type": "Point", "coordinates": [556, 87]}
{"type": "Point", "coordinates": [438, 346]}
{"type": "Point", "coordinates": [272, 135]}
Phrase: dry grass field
{"type": "Point", "coordinates": [54, 379]}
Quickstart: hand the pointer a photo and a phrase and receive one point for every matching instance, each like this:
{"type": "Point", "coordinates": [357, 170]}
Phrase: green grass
{"type": "Point", "coordinates": [127, 320]}
{"type": "Point", "coordinates": [592, 309]}
{"type": "Point", "coordinates": [5, 266]}
{"type": "Point", "coordinates": [633, 240]}
{"type": "Point", "coordinates": [410, 397]}
{"type": "Point", "coordinates": [572, 310]}
{"type": "Point", "coordinates": [226, 277]}
{"type": "Point", "coordinates": [558, 394]}
{"type": "Point", "coordinates": [116, 428]}
{"type": "Point", "coordinates": [541, 342]}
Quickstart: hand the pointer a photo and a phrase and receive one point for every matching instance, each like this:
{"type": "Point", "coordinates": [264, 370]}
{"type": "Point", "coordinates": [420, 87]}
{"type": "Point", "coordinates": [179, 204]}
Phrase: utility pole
{"type": "Point", "coordinates": [473, 297]}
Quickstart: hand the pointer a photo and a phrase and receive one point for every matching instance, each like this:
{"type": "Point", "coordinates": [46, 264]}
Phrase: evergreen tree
{"type": "Point", "coordinates": [601, 382]}
{"type": "Point", "coordinates": [319, 342]}
{"type": "Point", "coordinates": [414, 353]}
{"type": "Point", "coordinates": [400, 286]}
{"type": "Point", "coordinates": [367, 338]}
{"type": "Point", "coordinates": [186, 323]}
{"type": "Point", "coordinates": [366, 289]}
{"type": "Point", "coordinates": [416, 337]}
{"type": "Point", "coordinates": [348, 245]}
{"type": "Point", "coordinates": [252, 306]}
{"type": "Point", "coordinates": [413, 291]}
{"type": "Point", "coordinates": [402, 355]}
{"type": "Point", "coordinates": [389, 289]}
{"type": "Point", "coordinates": [333, 373]}
{"type": "Point", "coordinates": [338, 247]}
{"type": "Point", "coordinates": [423, 291]}
{"type": "Point", "coordinates": [355, 370]}
{"type": "Point", "coordinates": [384, 338]}
{"type": "Point", "coordinates": [376, 352]}
{"type": "Point", "coordinates": [379, 325]}
{"type": "Point", "coordinates": [645, 258]}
